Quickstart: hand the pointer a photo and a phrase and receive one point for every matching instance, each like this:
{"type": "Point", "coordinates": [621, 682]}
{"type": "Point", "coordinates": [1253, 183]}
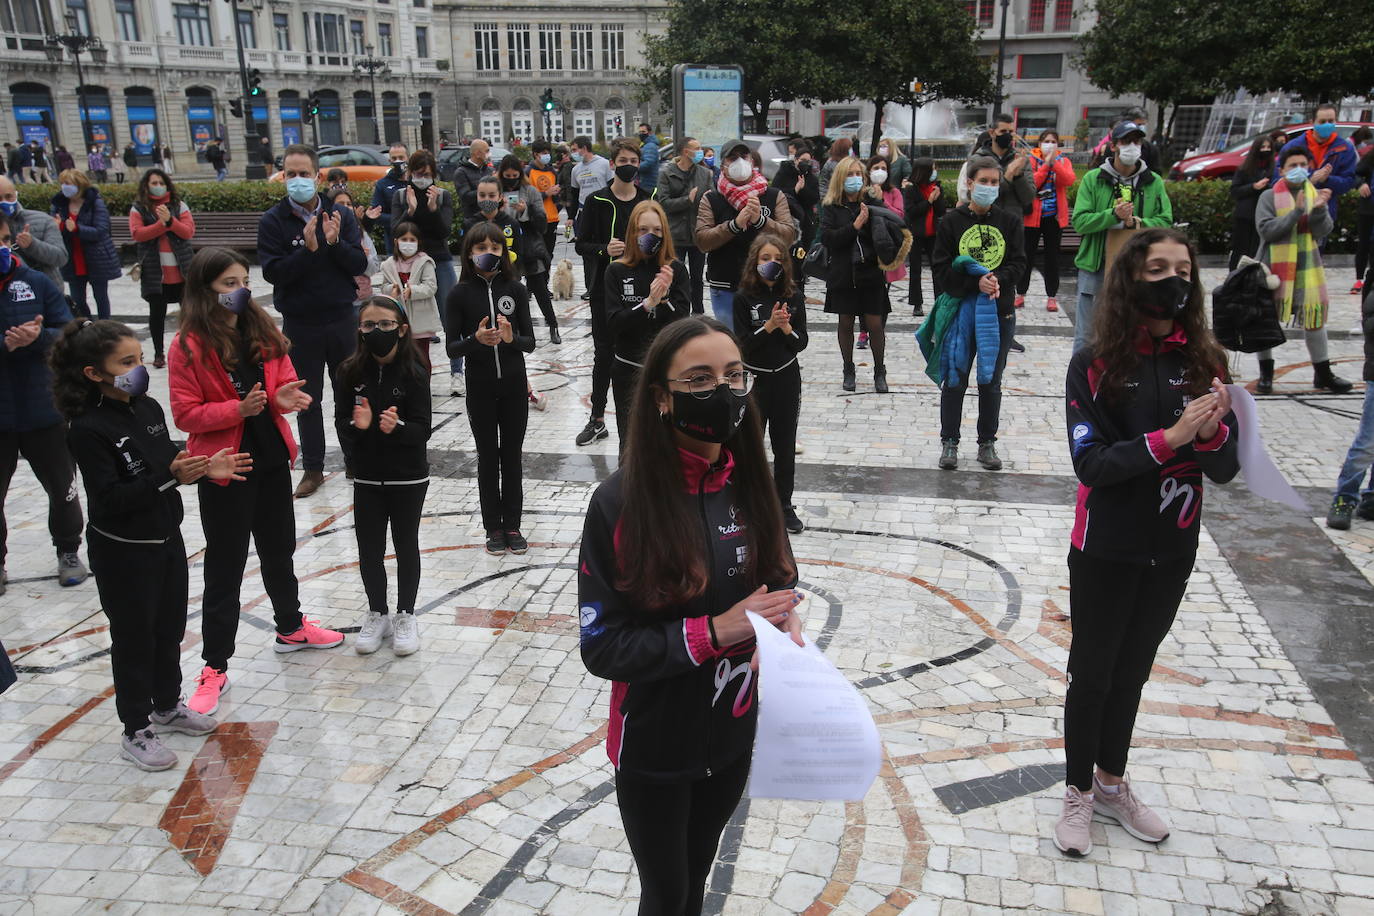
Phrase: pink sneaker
{"type": "Point", "coordinates": [1130, 812]}
{"type": "Point", "coordinates": [209, 686]}
{"type": "Point", "coordinates": [309, 636]}
{"type": "Point", "coordinates": [1051, 304]}
{"type": "Point", "coordinates": [1071, 833]}
{"type": "Point", "coordinates": [1020, 302]}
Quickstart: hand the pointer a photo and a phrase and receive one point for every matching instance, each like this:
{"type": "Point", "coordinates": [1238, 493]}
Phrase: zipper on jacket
{"type": "Point", "coordinates": [1159, 413]}
{"type": "Point", "coordinates": [710, 590]}
{"type": "Point", "coordinates": [491, 307]}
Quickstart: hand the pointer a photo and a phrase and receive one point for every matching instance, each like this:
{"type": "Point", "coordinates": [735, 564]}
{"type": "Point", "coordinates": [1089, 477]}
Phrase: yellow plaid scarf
{"type": "Point", "coordinates": [1298, 264]}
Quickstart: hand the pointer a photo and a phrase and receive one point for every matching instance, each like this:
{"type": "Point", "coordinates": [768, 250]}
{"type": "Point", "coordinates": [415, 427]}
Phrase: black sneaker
{"type": "Point", "coordinates": [848, 382]}
{"type": "Point", "coordinates": [1338, 516]}
{"type": "Point", "coordinates": [1365, 511]}
{"type": "Point", "coordinates": [587, 295]}
{"type": "Point", "coordinates": [917, 310]}
{"type": "Point", "coordinates": [595, 429]}
{"type": "Point", "coordinates": [554, 337]}
{"type": "Point", "coordinates": [949, 454]}
{"type": "Point", "coordinates": [496, 543]}
{"type": "Point", "coordinates": [791, 522]}
{"type": "Point", "coordinates": [516, 543]}
{"type": "Point", "coordinates": [1016, 346]}
{"type": "Point", "coordinates": [987, 457]}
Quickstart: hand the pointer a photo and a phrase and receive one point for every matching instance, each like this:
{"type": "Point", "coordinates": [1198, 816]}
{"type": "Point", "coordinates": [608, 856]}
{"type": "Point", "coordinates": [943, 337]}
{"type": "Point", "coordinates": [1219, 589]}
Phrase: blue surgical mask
{"type": "Point", "coordinates": [1296, 175]}
{"type": "Point", "coordinates": [9, 207]}
{"type": "Point", "coordinates": [134, 382]}
{"type": "Point", "coordinates": [984, 195]}
{"type": "Point", "coordinates": [301, 190]}
{"type": "Point", "coordinates": [6, 259]}
{"type": "Point", "coordinates": [69, 190]}
{"type": "Point", "coordinates": [544, 159]}
{"type": "Point", "coordinates": [710, 160]}
{"type": "Point", "coordinates": [1324, 131]}
{"type": "Point", "coordinates": [698, 156]}
{"type": "Point", "coordinates": [853, 184]}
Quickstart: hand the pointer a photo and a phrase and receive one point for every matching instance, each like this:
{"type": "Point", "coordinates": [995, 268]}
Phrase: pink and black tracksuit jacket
{"type": "Point", "coordinates": [1140, 501]}
{"type": "Point", "coordinates": [681, 708]}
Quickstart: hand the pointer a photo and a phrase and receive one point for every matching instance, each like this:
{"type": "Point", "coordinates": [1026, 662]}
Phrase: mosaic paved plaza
{"type": "Point", "coordinates": [472, 777]}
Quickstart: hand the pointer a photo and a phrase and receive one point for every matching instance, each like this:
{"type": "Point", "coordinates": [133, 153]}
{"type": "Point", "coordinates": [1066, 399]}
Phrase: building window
{"type": "Point", "coordinates": [1035, 15]}
{"type": "Point", "coordinates": [357, 37]}
{"type": "Point", "coordinates": [83, 16]}
{"type": "Point", "coordinates": [23, 16]}
{"type": "Point", "coordinates": [485, 43]}
{"type": "Point", "coordinates": [581, 47]}
{"type": "Point", "coordinates": [492, 127]}
{"type": "Point", "coordinates": [550, 46]}
{"type": "Point", "coordinates": [518, 46]}
{"type": "Point", "coordinates": [384, 39]}
{"type": "Point", "coordinates": [981, 11]}
{"type": "Point", "coordinates": [422, 41]}
{"type": "Point", "coordinates": [193, 24]}
{"type": "Point", "coordinates": [281, 27]}
{"type": "Point", "coordinates": [248, 29]}
{"type": "Point", "coordinates": [1063, 15]}
{"type": "Point", "coordinates": [1031, 122]}
{"type": "Point", "coordinates": [329, 32]}
{"type": "Point", "coordinates": [128, 20]}
{"type": "Point", "coordinates": [420, 4]}
{"type": "Point", "coordinates": [612, 47]}
{"type": "Point", "coordinates": [1040, 67]}
{"type": "Point", "coordinates": [522, 122]}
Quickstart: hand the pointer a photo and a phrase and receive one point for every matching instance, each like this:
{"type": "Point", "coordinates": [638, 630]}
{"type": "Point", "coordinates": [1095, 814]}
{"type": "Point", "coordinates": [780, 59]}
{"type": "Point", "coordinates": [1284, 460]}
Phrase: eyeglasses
{"type": "Point", "coordinates": [386, 324]}
{"type": "Point", "coordinates": [702, 384]}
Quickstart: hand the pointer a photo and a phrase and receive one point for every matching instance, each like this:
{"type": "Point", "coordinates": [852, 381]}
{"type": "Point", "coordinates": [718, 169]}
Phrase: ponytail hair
{"type": "Point", "coordinates": [81, 343]}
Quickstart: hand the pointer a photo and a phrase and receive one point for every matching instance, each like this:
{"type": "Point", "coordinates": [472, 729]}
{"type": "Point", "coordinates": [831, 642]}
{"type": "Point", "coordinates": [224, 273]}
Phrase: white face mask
{"type": "Point", "coordinates": [877, 176]}
{"type": "Point", "coordinates": [741, 168]}
{"type": "Point", "coordinates": [883, 150]}
{"type": "Point", "coordinates": [408, 249]}
{"type": "Point", "coordinates": [1128, 153]}
{"type": "Point", "coordinates": [1048, 148]}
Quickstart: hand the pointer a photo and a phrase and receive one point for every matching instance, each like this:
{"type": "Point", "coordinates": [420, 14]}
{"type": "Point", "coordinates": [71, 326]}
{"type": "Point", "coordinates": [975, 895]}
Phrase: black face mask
{"type": "Point", "coordinates": [510, 184]}
{"type": "Point", "coordinates": [1162, 299]}
{"type": "Point", "coordinates": [379, 342]}
{"type": "Point", "coordinates": [713, 419]}
{"type": "Point", "coordinates": [627, 173]}
{"type": "Point", "coordinates": [1002, 141]}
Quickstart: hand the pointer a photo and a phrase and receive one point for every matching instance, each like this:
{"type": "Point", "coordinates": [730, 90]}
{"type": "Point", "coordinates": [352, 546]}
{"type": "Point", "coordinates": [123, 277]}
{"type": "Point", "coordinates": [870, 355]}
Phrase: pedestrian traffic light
{"type": "Point", "coordinates": [255, 82]}
{"type": "Point", "coordinates": [547, 99]}
{"type": "Point", "coordinates": [236, 107]}
{"type": "Point", "coordinates": [312, 108]}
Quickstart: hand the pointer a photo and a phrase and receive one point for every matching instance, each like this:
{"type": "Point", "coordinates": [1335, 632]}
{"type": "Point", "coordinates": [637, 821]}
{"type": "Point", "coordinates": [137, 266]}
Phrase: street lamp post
{"type": "Point", "coordinates": [255, 168]}
{"type": "Point", "coordinates": [1001, 59]}
{"type": "Point", "coordinates": [76, 42]}
{"type": "Point", "coordinates": [372, 66]}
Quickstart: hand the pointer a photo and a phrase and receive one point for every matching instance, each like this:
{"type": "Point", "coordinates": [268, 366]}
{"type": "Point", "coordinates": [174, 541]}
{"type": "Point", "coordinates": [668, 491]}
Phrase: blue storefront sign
{"type": "Point", "coordinates": [290, 124]}
{"type": "Point", "coordinates": [143, 128]}
{"type": "Point", "coordinates": [30, 118]}
{"type": "Point", "coordinates": [202, 121]}
{"type": "Point", "coordinates": [102, 130]}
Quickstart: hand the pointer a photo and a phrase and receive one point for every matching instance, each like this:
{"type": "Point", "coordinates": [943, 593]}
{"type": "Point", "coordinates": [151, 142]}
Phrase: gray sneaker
{"type": "Point", "coordinates": [987, 457]}
{"type": "Point", "coordinates": [405, 634]}
{"type": "Point", "coordinates": [183, 719]}
{"type": "Point", "coordinates": [4, 580]}
{"type": "Point", "coordinates": [949, 455]}
{"type": "Point", "coordinates": [70, 570]}
{"type": "Point", "coordinates": [146, 751]}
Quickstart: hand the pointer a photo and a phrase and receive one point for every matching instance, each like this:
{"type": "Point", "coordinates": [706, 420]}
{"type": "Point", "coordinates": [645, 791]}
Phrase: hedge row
{"type": "Point", "coordinates": [1202, 208]}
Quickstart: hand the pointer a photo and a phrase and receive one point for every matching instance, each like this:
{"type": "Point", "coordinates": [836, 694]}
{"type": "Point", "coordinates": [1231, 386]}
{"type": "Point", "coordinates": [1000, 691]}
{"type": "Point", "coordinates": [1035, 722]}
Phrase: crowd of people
{"type": "Point", "coordinates": [365, 289]}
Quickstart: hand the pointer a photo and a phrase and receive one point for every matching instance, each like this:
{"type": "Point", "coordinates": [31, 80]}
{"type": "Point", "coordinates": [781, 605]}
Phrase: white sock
{"type": "Point", "coordinates": [1110, 790]}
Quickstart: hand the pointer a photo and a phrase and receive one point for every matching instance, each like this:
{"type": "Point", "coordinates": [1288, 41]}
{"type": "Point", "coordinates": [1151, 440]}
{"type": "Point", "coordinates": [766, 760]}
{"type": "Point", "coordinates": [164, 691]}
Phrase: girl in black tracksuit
{"type": "Point", "coordinates": [382, 409]}
{"type": "Point", "coordinates": [489, 315]}
{"type": "Point", "coordinates": [922, 218]}
{"type": "Point", "coordinates": [119, 438]}
{"type": "Point", "coordinates": [646, 289]}
{"type": "Point", "coordinates": [1147, 418]}
{"type": "Point", "coordinates": [770, 318]}
{"type": "Point", "coordinates": [676, 544]}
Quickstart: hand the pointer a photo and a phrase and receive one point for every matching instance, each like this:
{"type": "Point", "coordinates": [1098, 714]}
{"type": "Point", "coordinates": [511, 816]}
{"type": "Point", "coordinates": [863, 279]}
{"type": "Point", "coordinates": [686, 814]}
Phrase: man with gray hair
{"type": "Point", "coordinates": [37, 236]}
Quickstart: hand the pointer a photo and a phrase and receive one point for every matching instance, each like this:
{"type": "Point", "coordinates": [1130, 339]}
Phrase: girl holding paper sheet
{"type": "Point", "coordinates": [678, 544]}
{"type": "Point", "coordinates": [1148, 417]}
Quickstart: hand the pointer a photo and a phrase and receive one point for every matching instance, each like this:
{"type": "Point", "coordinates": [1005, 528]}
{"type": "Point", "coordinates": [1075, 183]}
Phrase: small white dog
{"type": "Point", "coordinates": [563, 280]}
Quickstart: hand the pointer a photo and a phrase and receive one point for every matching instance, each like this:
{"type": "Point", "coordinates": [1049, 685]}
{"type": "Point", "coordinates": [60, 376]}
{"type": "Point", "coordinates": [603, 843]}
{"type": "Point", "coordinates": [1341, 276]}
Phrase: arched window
{"type": "Point", "coordinates": [33, 112]}
{"type": "Point", "coordinates": [200, 118]}
{"type": "Point", "coordinates": [522, 120]}
{"type": "Point", "coordinates": [329, 120]}
{"type": "Point", "coordinates": [584, 118]}
{"type": "Point", "coordinates": [493, 123]}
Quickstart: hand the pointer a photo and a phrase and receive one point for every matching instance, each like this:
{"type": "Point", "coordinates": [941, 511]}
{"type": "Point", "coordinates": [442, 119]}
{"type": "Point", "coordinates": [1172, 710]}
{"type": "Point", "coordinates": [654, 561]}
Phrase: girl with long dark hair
{"type": "Point", "coordinates": [1249, 182]}
{"type": "Point", "coordinates": [525, 205]}
{"type": "Point", "coordinates": [232, 386]}
{"type": "Point", "coordinates": [489, 326]}
{"type": "Point", "coordinates": [382, 408]}
{"type": "Point", "coordinates": [131, 468]}
{"type": "Point", "coordinates": [770, 312]}
{"type": "Point", "coordinates": [678, 544]}
{"type": "Point", "coordinates": [162, 225]}
{"type": "Point", "coordinates": [1148, 416]}
{"type": "Point", "coordinates": [925, 205]}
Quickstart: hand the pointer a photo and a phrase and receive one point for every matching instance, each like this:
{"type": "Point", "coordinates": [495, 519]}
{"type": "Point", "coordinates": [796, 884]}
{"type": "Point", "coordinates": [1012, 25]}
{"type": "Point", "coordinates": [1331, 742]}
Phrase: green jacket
{"type": "Point", "coordinates": [1093, 216]}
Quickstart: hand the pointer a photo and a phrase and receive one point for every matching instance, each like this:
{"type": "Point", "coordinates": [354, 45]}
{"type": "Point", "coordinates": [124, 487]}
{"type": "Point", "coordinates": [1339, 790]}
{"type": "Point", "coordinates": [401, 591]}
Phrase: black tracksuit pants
{"type": "Point", "coordinates": [674, 830]}
{"type": "Point", "coordinates": [1050, 230]}
{"type": "Point", "coordinates": [778, 397]}
{"type": "Point", "coordinates": [603, 355]}
{"type": "Point", "coordinates": [260, 507]}
{"type": "Point", "coordinates": [1121, 612]}
{"type": "Point", "coordinates": [498, 414]}
{"type": "Point", "coordinates": [623, 378]}
{"type": "Point", "coordinates": [157, 314]}
{"type": "Point", "coordinates": [143, 593]}
{"type": "Point", "coordinates": [920, 247]}
{"type": "Point", "coordinates": [538, 285]}
{"type": "Point", "coordinates": [989, 395]}
{"type": "Point", "coordinates": [46, 452]}
{"type": "Point", "coordinates": [374, 508]}
{"type": "Point", "coordinates": [315, 348]}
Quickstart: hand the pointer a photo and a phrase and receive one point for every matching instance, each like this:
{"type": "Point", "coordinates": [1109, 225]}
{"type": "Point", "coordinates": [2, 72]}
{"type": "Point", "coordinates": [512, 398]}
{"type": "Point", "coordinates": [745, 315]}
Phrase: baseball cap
{"type": "Point", "coordinates": [1126, 129]}
{"type": "Point", "coordinates": [731, 145]}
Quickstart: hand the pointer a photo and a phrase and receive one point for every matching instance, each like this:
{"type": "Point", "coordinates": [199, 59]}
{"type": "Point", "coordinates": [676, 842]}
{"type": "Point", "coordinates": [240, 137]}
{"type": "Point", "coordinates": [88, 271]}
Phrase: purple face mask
{"type": "Point", "coordinates": [486, 262]}
{"type": "Point", "coordinates": [237, 301]}
{"type": "Point", "coordinates": [649, 243]}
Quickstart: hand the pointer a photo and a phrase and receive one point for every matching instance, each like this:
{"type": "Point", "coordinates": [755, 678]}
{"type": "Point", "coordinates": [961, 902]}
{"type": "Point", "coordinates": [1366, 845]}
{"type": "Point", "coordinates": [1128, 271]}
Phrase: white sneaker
{"type": "Point", "coordinates": [539, 400]}
{"type": "Point", "coordinates": [373, 629]}
{"type": "Point", "coordinates": [457, 385]}
{"type": "Point", "coordinates": [405, 634]}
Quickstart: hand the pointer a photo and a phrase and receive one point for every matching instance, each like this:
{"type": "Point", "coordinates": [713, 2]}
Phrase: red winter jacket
{"type": "Point", "coordinates": [1063, 177]}
{"type": "Point", "coordinates": [205, 404]}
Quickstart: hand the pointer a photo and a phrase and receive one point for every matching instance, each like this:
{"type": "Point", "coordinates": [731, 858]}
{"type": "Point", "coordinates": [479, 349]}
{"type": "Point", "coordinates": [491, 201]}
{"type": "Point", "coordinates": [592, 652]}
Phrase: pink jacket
{"type": "Point", "coordinates": [206, 406]}
{"type": "Point", "coordinates": [1063, 177]}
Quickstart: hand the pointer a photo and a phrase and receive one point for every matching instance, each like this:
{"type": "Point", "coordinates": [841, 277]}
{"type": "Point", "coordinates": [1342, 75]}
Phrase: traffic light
{"type": "Point", "coordinates": [236, 107]}
{"type": "Point", "coordinates": [547, 99]}
{"type": "Point", "coordinates": [255, 82]}
{"type": "Point", "coordinates": [312, 108]}
{"type": "Point", "coordinates": [619, 124]}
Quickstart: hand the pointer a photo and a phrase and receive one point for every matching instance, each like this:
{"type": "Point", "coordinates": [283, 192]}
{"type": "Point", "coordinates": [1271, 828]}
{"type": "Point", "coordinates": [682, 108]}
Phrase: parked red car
{"type": "Point", "coordinates": [1225, 164]}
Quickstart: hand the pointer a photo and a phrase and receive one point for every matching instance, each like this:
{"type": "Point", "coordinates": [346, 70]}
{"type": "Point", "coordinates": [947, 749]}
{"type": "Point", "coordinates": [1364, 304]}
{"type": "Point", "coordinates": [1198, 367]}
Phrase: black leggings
{"type": "Point", "coordinates": [623, 377]}
{"type": "Point", "coordinates": [147, 613]}
{"type": "Point", "coordinates": [46, 452]}
{"type": "Point", "coordinates": [920, 246]}
{"type": "Point", "coordinates": [1245, 241]}
{"type": "Point", "coordinates": [674, 830]}
{"type": "Point", "coordinates": [498, 414]}
{"type": "Point", "coordinates": [374, 507]}
{"type": "Point", "coordinates": [1049, 228]}
{"type": "Point", "coordinates": [157, 313]}
{"type": "Point", "coordinates": [1121, 612]}
{"type": "Point", "coordinates": [874, 326]}
{"type": "Point", "coordinates": [989, 395]}
{"type": "Point", "coordinates": [261, 507]}
{"type": "Point", "coordinates": [778, 396]}
{"type": "Point", "coordinates": [603, 355]}
{"type": "Point", "coordinates": [1364, 229]}
{"type": "Point", "coordinates": [538, 285]}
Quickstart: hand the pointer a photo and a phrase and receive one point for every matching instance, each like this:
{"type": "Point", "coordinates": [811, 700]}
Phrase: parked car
{"type": "Point", "coordinates": [360, 162]}
{"type": "Point", "coordinates": [772, 150]}
{"type": "Point", "coordinates": [450, 156]}
{"type": "Point", "coordinates": [1224, 164]}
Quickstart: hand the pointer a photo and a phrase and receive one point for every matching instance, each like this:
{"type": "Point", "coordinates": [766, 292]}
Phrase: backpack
{"type": "Point", "coordinates": [1244, 314]}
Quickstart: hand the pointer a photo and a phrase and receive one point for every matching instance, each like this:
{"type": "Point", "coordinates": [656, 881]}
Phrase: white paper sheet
{"type": "Point", "coordinates": [1261, 476]}
{"type": "Point", "coordinates": [816, 738]}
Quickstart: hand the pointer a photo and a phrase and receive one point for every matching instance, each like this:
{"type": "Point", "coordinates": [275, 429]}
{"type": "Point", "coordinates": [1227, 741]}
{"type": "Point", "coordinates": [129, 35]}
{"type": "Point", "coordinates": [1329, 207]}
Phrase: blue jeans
{"type": "Point", "coordinates": [446, 275]}
{"type": "Point", "coordinates": [1361, 454]}
{"type": "Point", "coordinates": [99, 288]}
{"type": "Point", "coordinates": [1088, 283]}
{"type": "Point", "coordinates": [723, 306]}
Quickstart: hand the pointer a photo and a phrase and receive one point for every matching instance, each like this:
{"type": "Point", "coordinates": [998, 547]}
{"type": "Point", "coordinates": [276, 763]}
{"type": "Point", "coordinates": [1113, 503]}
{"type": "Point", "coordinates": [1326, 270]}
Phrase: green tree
{"type": "Point", "coordinates": [1319, 50]}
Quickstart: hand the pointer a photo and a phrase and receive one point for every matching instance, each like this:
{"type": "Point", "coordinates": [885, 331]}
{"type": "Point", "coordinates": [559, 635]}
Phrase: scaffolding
{"type": "Point", "coordinates": [1232, 119]}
